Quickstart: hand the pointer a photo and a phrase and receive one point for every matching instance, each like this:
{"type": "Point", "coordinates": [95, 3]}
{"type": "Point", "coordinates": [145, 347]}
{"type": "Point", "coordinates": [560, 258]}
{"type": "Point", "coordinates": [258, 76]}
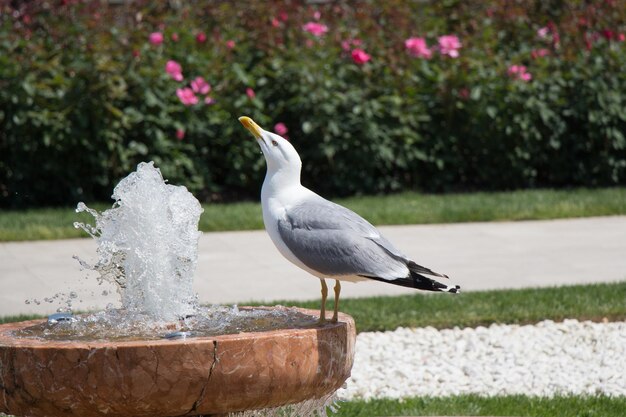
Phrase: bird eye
{"type": "Point", "coordinates": [274, 143]}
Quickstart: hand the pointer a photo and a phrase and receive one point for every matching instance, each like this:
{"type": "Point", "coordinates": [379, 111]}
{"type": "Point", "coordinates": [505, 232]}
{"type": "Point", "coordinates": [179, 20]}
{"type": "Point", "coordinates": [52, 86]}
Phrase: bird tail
{"type": "Point", "coordinates": [416, 279]}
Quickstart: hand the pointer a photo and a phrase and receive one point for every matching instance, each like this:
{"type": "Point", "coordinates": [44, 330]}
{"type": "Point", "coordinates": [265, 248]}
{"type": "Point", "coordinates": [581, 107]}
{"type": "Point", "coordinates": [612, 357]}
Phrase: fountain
{"type": "Point", "coordinates": [162, 354]}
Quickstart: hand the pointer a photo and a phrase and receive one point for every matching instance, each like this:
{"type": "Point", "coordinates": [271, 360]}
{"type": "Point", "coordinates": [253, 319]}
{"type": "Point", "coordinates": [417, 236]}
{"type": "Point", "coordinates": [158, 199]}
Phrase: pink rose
{"type": "Point", "coordinates": [449, 45]}
{"type": "Point", "coordinates": [280, 129]}
{"type": "Point", "coordinates": [156, 38]}
{"type": "Point", "coordinates": [360, 57]}
{"type": "Point", "coordinates": [200, 86]}
{"type": "Point", "coordinates": [201, 37]}
{"type": "Point", "coordinates": [174, 69]}
{"type": "Point", "coordinates": [187, 96]}
{"type": "Point", "coordinates": [250, 93]}
{"type": "Point", "coordinates": [621, 37]}
{"type": "Point", "coordinates": [316, 29]}
{"type": "Point", "coordinates": [180, 134]}
{"type": "Point", "coordinates": [230, 44]}
{"type": "Point", "coordinates": [543, 32]}
{"type": "Point", "coordinates": [275, 22]}
{"type": "Point", "coordinates": [519, 72]}
{"type": "Point", "coordinates": [417, 47]}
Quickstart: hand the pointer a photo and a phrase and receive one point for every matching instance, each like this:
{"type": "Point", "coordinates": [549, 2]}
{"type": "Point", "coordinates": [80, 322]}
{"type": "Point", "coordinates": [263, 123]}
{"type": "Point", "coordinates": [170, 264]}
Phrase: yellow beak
{"type": "Point", "coordinates": [249, 124]}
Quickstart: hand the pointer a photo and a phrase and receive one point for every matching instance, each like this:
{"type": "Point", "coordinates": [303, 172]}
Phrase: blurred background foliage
{"type": "Point", "coordinates": [84, 95]}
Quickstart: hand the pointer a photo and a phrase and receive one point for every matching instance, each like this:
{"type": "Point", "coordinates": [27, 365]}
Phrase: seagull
{"type": "Point", "coordinates": [326, 239]}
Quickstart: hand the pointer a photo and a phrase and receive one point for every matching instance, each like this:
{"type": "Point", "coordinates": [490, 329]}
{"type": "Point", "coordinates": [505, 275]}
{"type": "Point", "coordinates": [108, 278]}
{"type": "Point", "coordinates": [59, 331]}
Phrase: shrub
{"type": "Point", "coordinates": [497, 96]}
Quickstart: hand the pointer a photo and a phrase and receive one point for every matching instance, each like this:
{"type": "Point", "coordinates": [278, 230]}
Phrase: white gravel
{"type": "Point", "coordinates": [544, 359]}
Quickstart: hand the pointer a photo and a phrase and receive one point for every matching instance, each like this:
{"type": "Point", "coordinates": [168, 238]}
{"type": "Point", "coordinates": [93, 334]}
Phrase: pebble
{"type": "Point", "coordinates": [545, 359]}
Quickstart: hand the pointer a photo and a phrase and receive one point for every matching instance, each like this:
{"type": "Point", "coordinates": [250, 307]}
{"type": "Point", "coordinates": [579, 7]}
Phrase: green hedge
{"type": "Point", "coordinates": [84, 96]}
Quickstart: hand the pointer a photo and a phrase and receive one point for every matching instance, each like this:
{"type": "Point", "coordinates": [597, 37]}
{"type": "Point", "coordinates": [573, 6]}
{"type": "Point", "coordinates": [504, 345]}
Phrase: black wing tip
{"type": "Point", "coordinates": [420, 282]}
{"type": "Point", "coordinates": [454, 290]}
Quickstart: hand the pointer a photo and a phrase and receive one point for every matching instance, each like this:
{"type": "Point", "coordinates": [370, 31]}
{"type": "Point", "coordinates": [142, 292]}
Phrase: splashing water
{"type": "Point", "coordinates": [147, 244]}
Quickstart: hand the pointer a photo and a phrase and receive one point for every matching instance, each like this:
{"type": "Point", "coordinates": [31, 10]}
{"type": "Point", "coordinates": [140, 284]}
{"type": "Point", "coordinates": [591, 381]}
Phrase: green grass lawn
{"type": "Point", "coordinates": [405, 208]}
{"type": "Point", "coordinates": [473, 405]}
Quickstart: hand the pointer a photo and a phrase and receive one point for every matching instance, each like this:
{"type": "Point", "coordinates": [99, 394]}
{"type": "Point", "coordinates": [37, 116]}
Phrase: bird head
{"type": "Point", "coordinates": [279, 154]}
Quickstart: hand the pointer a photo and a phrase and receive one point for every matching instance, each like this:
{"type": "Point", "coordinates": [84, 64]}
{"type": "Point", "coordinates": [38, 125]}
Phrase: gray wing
{"type": "Point", "coordinates": [333, 240]}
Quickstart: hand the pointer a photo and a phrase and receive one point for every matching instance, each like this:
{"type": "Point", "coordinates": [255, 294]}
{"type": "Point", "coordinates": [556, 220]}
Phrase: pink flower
{"type": "Point", "coordinates": [209, 100]}
{"type": "Point", "coordinates": [449, 45]}
{"type": "Point", "coordinates": [539, 53]}
{"type": "Point", "coordinates": [156, 38]}
{"type": "Point", "coordinates": [360, 57]}
{"type": "Point", "coordinates": [200, 86]}
{"type": "Point", "coordinates": [543, 32]}
{"type": "Point", "coordinates": [280, 129]}
{"type": "Point", "coordinates": [230, 44]}
{"type": "Point", "coordinates": [275, 22]}
{"type": "Point", "coordinates": [283, 16]}
{"type": "Point", "coordinates": [187, 96]}
{"type": "Point", "coordinates": [201, 37]}
{"type": "Point", "coordinates": [174, 69]}
{"type": "Point", "coordinates": [519, 72]}
{"type": "Point", "coordinates": [174, 37]}
{"type": "Point", "coordinates": [621, 37]}
{"type": "Point", "coordinates": [180, 134]}
{"type": "Point", "coordinates": [418, 48]}
{"type": "Point", "coordinates": [316, 29]}
{"type": "Point", "coordinates": [250, 93]}
{"type": "Point", "coordinates": [317, 15]}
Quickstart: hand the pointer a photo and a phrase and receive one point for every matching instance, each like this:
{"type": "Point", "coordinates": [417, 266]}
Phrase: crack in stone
{"type": "Point", "coordinates": [155, 382]}
{"type": "Point", "coordinates": [206, 381]}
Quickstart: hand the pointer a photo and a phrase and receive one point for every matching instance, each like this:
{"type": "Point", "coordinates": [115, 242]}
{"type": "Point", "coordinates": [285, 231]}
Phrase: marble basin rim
{"type": "Point", "coordinates": [180, 377]}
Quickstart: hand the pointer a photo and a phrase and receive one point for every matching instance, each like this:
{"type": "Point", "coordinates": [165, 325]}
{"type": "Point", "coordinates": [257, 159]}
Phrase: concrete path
{"type": "Point", "coordinates": [235, 267]}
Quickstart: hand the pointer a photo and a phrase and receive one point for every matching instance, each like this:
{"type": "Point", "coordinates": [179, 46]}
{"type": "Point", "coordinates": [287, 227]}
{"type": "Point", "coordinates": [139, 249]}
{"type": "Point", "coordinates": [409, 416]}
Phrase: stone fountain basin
{"type": "Point", "coordinates": [203, 375]}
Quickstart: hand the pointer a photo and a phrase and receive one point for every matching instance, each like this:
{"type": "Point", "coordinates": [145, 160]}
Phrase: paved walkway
{"type": "Point", "coordinates": [235, 267]}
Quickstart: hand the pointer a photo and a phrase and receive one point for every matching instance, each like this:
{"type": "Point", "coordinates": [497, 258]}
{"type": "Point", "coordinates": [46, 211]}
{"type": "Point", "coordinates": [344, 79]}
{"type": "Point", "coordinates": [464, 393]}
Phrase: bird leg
{"type": "Point", "coordinates": [337, 291]}
{"type": "Point", "coordinates": [324, 295]}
